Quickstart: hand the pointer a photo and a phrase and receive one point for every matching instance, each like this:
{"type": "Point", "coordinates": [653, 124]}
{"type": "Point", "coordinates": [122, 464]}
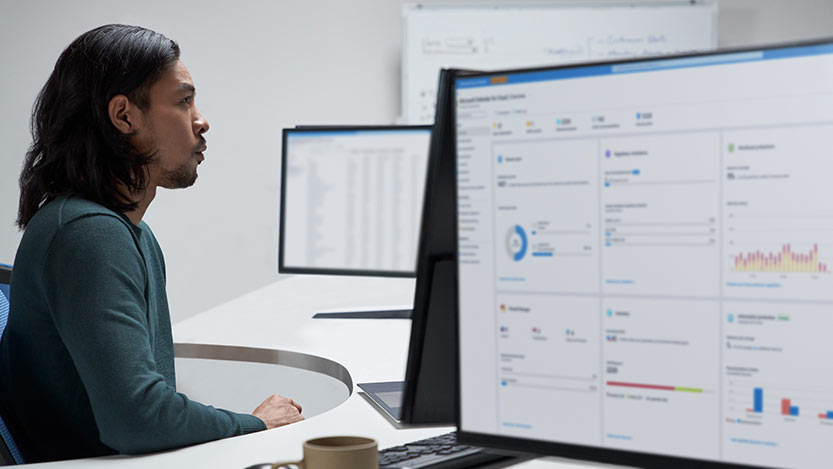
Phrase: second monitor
{"type": "Point", "coordinates": [351, 201]}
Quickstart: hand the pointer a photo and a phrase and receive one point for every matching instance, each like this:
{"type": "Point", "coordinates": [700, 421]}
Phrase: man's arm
{"type": "Point", "coordinates": [95, 280]}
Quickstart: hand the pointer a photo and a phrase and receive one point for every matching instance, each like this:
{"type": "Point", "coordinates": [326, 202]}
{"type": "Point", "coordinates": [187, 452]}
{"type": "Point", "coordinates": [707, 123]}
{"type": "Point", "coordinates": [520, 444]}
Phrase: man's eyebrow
{"type": "Point", "coordinates": [187, 87]}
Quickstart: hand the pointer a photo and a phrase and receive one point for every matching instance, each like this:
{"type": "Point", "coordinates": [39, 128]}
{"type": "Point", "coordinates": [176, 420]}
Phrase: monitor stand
{"type": "Point", "coordinates": [371, 314]}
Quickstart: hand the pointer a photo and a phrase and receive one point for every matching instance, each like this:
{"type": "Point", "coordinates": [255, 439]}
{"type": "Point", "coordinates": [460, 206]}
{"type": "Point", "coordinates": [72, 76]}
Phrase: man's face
{"type": "Point", "coordinates": [172, 128]}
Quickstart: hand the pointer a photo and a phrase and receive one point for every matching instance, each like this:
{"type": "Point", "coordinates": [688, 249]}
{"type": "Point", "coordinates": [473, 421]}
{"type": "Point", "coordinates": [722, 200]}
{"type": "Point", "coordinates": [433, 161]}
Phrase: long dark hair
{"type": "Point", "coordinates": [75, 148]}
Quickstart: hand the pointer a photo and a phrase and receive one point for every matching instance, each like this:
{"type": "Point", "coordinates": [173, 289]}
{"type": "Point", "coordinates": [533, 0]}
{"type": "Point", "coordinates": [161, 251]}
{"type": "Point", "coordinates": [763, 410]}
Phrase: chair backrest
{"type": "Point", "coordinates": [5, 279]}
{"type": "Point", "coordinates": [9, 453]}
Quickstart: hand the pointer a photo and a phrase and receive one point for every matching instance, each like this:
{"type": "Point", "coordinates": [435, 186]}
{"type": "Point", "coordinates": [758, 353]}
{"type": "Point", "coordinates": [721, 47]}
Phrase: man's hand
{"type": "Point", "coordinates": [277, 411]}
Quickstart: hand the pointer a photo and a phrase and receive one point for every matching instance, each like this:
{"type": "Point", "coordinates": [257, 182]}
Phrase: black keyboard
{"type": "Point", "coordinates": [440, 452]}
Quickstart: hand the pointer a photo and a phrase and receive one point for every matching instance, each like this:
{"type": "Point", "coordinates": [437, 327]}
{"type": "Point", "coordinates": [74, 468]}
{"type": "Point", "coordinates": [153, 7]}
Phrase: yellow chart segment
{"type": "Point", "coordinates": [783, 261]}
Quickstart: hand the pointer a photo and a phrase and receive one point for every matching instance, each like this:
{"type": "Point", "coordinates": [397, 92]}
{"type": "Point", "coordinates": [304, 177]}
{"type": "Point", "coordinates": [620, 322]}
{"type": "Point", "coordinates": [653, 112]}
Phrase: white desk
{"type": "Point", "coordinates": [279, 316]}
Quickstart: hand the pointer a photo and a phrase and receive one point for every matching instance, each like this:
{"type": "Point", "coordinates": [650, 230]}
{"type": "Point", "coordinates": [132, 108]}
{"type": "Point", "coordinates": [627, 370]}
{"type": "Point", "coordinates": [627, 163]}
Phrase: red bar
{"type": "Point", "coordinates": [823, 416]}
{"type": "Point", "coordinates": [645, 386]}
{"type": "Point", "coordinates": [785, 406]}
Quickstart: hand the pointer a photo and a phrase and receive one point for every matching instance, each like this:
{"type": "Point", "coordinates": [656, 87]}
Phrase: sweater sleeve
{"type": "Point", "coordinates": [95, 277]}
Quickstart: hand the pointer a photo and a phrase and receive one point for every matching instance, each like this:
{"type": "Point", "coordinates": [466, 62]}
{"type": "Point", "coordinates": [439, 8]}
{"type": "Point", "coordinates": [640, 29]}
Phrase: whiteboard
{"type": "Point", "coordinates": [491, 37]}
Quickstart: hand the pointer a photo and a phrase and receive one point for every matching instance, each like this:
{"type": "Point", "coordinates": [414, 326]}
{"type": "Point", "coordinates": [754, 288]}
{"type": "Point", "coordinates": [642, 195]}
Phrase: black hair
{"type": "Point", "coordinates": [75, 147]}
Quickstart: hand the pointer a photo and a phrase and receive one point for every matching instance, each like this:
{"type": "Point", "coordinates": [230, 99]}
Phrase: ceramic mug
{"type": "Point", "coordinates": [337, 452]}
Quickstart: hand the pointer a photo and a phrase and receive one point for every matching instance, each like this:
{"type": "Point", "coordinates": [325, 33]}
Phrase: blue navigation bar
{"type": "Point", "coordinates": [688, 62]}
{"type": "Point", "coordinates": [566, 73]}
{"type": "Point", "coordinates": [341, 133]}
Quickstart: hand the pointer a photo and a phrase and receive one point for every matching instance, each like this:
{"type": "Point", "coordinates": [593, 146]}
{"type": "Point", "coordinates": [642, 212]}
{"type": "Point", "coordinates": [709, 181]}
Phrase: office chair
{"type": "Point", "coordinates": [9, 453]}
{"type": "Point", "coordinates": [5, 278]}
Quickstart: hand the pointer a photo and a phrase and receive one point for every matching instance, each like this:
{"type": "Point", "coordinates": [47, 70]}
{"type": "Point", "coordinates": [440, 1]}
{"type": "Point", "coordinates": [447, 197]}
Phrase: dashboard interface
{"type": "Point", "coordinates": [646, 255]}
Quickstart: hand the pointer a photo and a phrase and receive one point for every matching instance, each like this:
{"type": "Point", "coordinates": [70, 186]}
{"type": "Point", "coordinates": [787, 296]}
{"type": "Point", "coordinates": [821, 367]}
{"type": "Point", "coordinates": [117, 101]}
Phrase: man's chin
{"type": "Point", "coordinates": [180, 180]}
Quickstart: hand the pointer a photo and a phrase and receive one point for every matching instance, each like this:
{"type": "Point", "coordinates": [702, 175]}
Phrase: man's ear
{"type": "Point", "coordinates": [123, 114]}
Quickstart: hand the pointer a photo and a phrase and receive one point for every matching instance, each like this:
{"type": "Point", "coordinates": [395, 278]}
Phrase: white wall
{"type": "Point", "coordinates": [260, 66]}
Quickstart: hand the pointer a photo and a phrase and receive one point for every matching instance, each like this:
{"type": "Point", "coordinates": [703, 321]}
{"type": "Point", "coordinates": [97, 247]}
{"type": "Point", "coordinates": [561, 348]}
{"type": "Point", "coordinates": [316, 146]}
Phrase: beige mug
{"type": "Point", "coordinates": [337, 452]}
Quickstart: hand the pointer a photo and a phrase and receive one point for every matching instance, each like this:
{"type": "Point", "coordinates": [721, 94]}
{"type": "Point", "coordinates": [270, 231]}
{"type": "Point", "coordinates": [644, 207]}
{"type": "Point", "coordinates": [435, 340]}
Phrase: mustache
{"type": "Point", "coordinates": [202, 146]}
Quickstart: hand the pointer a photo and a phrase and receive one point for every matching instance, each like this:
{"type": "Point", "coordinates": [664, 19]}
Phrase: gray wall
{"type": "Point", "coordinates": [260, 66]}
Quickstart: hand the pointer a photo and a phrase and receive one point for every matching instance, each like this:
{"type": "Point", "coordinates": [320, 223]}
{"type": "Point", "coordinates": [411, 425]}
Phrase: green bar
{"type": "Point", "coordinates": [688, 390]}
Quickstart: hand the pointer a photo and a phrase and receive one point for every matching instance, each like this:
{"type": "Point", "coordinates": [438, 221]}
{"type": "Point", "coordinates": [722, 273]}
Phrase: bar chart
{"type": "Point", "coordinates": [779, 254]}
{"type": "Point", "coordinates": [758, 406]}
{"type": "Point", "coordinates": [787, 402]}
{"type": "Point", "coordinates": [783, 261]}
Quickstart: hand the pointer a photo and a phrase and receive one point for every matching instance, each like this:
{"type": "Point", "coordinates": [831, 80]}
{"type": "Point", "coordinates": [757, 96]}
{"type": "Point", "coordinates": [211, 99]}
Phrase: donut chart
{"type": "Point", "coordinates": [516, 243]}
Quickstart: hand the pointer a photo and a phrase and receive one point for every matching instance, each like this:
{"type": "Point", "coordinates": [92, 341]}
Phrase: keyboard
{"type": "Point", "coordinates": [440, 452]}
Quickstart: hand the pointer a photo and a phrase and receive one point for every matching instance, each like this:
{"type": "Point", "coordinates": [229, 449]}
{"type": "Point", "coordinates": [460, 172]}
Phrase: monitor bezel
{"type": "Point", "coordinates": [282, 267]}
{"type": "Point", "coordinates": [599, 454]}
{"type": "Point", "coordinates": [423, 401]}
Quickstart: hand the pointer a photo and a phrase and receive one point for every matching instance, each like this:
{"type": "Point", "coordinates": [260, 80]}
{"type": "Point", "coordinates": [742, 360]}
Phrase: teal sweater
{"type": "Point", "coordinates": [86, 361]}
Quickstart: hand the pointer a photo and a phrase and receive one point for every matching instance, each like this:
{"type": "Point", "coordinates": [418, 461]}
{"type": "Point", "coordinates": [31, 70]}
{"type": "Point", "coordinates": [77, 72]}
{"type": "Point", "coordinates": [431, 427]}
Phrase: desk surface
{"type": "Point", "coordinates": [279, 316]}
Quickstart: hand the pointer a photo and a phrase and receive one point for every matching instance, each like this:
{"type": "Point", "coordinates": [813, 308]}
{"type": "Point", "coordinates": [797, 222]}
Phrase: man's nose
{"type": "Point", "coordinates": [201, 125]}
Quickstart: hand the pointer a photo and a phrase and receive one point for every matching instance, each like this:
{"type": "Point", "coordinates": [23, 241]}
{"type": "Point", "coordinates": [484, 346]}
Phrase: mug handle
{"type": "Point", "coordinates": [280, 464]}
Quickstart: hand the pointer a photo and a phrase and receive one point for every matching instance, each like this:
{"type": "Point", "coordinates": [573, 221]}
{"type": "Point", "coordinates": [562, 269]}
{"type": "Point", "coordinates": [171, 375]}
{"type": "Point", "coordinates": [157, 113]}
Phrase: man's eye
{"type": "Point", "coordinates": [187, 99]}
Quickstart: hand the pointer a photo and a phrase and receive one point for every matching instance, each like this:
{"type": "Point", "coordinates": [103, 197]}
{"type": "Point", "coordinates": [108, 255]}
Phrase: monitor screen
{"type": "Point", "coordinates": [351, 199]}
{"type": "Point", "coordinates": [646, 257]}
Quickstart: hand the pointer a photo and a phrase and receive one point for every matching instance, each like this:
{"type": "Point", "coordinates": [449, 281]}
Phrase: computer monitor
{"type": "Point", "coordinates": [351, 200]}
{"type": "Point", "coordinates": [643, 259]}
{"type": "Point", "coordinates": [427, 396]}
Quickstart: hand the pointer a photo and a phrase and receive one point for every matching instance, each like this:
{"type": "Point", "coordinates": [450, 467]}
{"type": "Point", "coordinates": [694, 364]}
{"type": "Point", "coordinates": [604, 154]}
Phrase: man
{"type": "Point", "coordinates": [86, 361]}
